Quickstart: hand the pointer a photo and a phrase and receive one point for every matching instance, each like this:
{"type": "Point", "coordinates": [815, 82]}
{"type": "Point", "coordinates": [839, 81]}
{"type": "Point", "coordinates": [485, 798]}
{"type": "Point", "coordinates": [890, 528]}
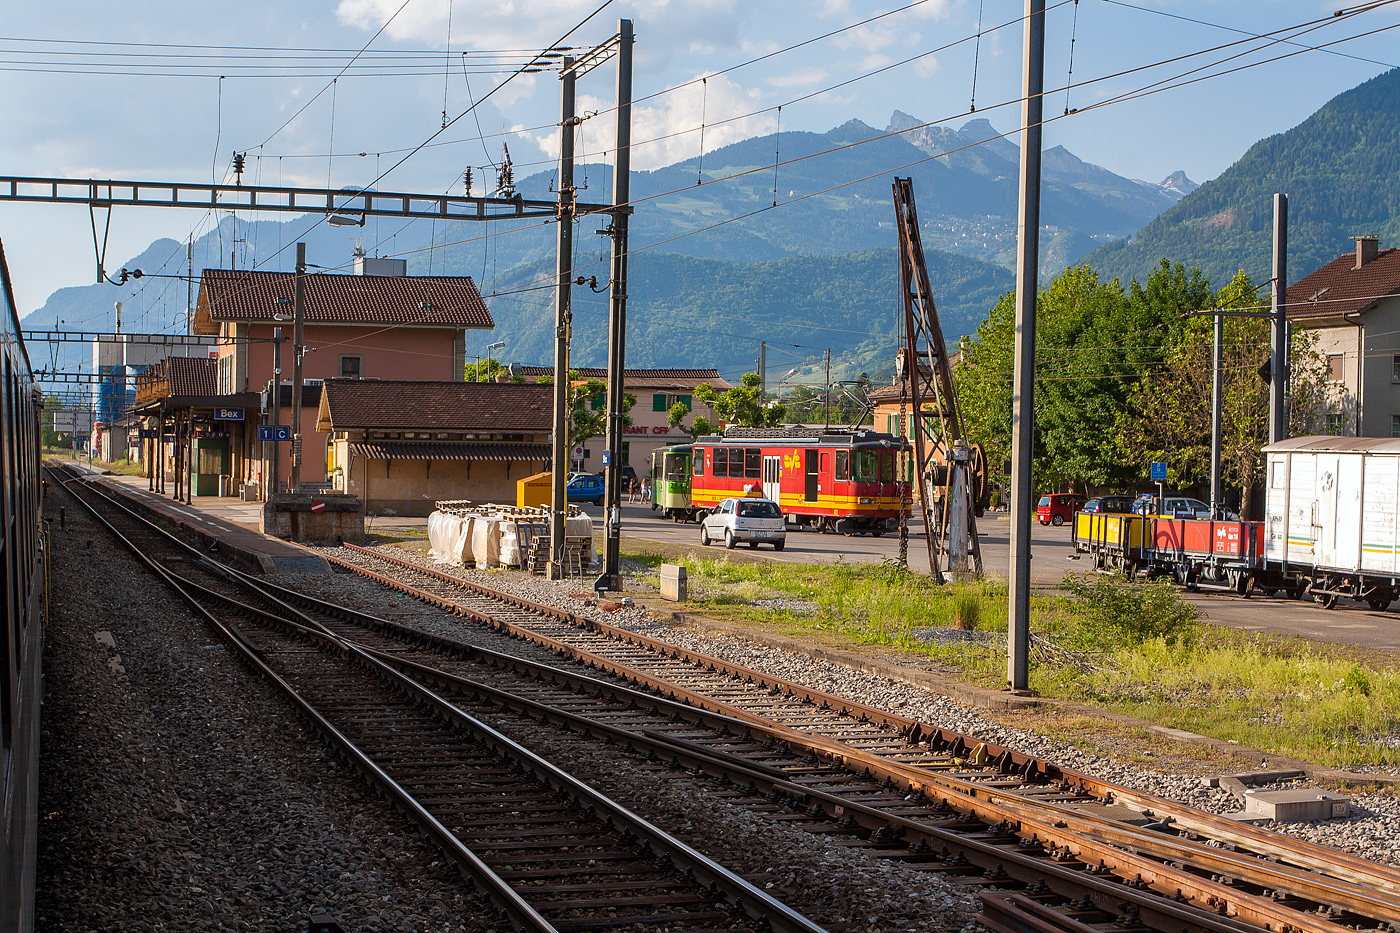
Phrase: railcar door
{"type": "Point", "coordinates": [813, 464]}
{"type": "Point", "coordinates": [772, 478]}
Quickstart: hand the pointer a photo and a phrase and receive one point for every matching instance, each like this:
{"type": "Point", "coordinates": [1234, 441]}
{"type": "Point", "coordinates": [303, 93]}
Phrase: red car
{"type": "Point", "coordinates": [1056, 508]}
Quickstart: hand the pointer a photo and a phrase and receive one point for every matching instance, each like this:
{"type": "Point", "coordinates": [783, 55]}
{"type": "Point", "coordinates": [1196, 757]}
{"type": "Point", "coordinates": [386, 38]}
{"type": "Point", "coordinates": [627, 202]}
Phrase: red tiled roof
{"type": "Point", "coordinates": [1339, 288]}
{"type": "Point", "coordinates": [244, 295]}
{"type": "Point", "coordinates": [178, 376]}
{"type": "Point", "coordinates": [463, 451]}
{"type": "Point", "coordinates": [381, 405]}
{"type": "Point", "coordinates": [668, 378]}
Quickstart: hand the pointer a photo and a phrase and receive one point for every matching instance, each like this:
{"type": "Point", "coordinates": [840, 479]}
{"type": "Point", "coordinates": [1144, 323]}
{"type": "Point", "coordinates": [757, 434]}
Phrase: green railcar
{"type": "Point", "coordinates": [670, 483]}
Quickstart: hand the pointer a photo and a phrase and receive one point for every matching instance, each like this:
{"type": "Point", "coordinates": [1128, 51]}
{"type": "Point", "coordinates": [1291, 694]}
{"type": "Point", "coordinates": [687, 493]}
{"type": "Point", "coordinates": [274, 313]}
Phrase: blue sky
{"type": "Point", "coordinates": [172, 117]}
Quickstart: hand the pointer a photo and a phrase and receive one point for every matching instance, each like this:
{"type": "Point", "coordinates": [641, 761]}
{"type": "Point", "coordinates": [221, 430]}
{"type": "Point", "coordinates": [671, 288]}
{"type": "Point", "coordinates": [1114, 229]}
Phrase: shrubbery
{"type": "Point", "coordinates": [1117, 613]}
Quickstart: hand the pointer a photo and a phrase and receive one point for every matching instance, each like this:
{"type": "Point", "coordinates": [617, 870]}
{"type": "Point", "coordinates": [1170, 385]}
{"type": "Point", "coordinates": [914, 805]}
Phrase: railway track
{"type": "Point", "coordinates": [1003, 819]}
{"type": "Point", "coordinates": [549, 852]}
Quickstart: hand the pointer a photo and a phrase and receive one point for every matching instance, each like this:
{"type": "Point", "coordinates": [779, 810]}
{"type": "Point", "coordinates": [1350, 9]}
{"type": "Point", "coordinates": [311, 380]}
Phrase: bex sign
{"type": "Point", "coordinates": [228, 414]}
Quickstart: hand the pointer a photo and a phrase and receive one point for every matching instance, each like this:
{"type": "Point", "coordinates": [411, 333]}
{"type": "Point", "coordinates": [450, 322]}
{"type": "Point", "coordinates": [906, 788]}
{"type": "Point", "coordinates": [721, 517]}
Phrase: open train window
{"type": "Point", "coordinates": [843, 464]}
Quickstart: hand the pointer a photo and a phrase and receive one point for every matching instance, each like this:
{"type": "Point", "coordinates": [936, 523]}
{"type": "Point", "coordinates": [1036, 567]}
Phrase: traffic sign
{"type": "Point", "coordinates": [274, 432]}
{"type": "Point", "coordinates": [1159, 472]}
{"type": "Point", "coordinates": [318, 505]}
{"type": "Point", "coordinates": [607, 457]}
{"type": "Point", "coordinates": [229, 414]}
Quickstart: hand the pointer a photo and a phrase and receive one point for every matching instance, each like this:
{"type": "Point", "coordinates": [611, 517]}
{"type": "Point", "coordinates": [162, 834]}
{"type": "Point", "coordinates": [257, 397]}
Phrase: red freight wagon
{"type": "Point", "coordinates": [836, 480]}
{"type": "Point", "coordinates": [1212, 554]}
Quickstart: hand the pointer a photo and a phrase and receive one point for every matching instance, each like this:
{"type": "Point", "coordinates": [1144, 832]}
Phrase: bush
{"type": "Point", "coordinates": [1116, 613]}
{"type": "Point", "coordinates": [967, 610]}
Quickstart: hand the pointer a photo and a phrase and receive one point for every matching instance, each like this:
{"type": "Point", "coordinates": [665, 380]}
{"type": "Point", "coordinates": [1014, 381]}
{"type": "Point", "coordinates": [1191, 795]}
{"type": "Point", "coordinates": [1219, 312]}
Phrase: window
{"type": "Point", "coordinates": [843, 464]}
{"type": "Point", "coordinates": [598, 401]}
{"type": "Point", "coordinates": [887, 467]}
{"type": "Point", "coordinates": [1335, 423]}
{"type": "Point", "coordinates": [664, 402]}
{"type": "Point", "coordinates": [699, 462]}
{"type": "Point", "coordinates": [1276, 473]}
{"type": "Point", "coordinates": [350, 367]}
{"type": "Point", "coordinates": [1395, 369]}
{"type": "Point", "coordinates": [866, 463]}
{"type": "Point", "coordinates": [753, 462]}
{"type": "Point", "coordinates": [721, 461]}
{"type": "Point", "coordinates": [1395, 425]}
{"type": "Point", "coordinates": [1336, 366]}
{"type": "Point", "coordinates": [658, 402]}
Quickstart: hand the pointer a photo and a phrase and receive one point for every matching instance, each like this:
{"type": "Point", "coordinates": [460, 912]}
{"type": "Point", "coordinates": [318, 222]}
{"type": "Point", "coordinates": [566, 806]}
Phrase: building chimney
{"type": "Point", "coordinates": [1367, 246]}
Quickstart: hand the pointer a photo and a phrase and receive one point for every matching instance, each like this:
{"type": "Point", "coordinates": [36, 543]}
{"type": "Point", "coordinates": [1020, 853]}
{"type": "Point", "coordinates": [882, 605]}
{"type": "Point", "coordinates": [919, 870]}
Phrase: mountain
{"type": "Point", "coordinates": [1340, 169]}
{"type": "Point", "coordinates": [790, 246]}
{"type": "Point", "coordinates": [685, 311]}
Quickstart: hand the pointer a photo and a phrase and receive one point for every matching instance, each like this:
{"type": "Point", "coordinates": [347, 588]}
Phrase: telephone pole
{"type": "Point", "coordinates": [563, 318]}
{"type": "Point", "coordinates": [617, 309]}
{"type": "Point", "coordinates": [762, 370]}
{"type": "Point", "coordinates": [1278, 358]}
{"type": "Point", "coordinates": [298, 304]}
{"type": "Point", "coordinates": [1023, 395]}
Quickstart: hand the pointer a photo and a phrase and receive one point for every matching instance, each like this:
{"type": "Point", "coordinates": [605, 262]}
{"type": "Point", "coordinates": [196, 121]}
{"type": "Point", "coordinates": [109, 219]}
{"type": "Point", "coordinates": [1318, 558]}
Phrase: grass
{"type": "Point", "coordinates": [1130, 648]}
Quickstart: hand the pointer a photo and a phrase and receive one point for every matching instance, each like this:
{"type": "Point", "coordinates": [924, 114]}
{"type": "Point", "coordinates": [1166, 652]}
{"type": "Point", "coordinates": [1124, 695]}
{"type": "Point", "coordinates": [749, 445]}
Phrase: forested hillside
{"type": "Point", "coordinates": [1340, 169]}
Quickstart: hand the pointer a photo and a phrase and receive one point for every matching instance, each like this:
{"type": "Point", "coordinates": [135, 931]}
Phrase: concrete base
{"type": "Point", "coordinates": [324, 518]}
{"type": "Point", "coordinates": [673, 585]}
{"type": "Point", "coordinates": [1296, 806]}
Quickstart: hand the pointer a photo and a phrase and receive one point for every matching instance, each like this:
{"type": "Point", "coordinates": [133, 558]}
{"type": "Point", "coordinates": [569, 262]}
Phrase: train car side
{"type": "Point", "coordinates": [670, 482]}
{"type": "Point", "coordinates": [21, 563]}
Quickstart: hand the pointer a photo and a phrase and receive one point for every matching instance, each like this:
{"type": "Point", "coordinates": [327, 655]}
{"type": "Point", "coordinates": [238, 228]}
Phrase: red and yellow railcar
{"type": "Point", "coordinates": [837, 480]}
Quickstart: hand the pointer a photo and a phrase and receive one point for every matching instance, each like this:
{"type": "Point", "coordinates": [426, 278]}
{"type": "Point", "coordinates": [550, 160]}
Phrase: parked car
{"type": "Point", "coordinates": [629, 476]}
{"type": "Point", "coordinates": [1178, 507]}
{"type": "Point", "coordinates": [1115, 504]}
{"type": "Point", "coordinates": [754, 521]}
{"type": "Point", "coordinates": [585, 487]}
{"type": "Point", "coordinates": [1056, 508]}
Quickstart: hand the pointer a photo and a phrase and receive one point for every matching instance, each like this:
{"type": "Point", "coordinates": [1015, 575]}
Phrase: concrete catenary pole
{"type": "Point", "coordinates": [1023, 395]}
{"type": "Point", "coordinates": [1278, 359]}
{"type": "Point", "coordinates": [276, 471]}
{"type": "Point", "coordinates": [617, 308]}
{"type": "Point", "coordinates": [762, 370]}
{"type": "Point", "coordinates": [1216, 400]}
{"type": "Point", "coordinates": [298, 350]}
{"type": "Point", "coordinates": [563, 317]}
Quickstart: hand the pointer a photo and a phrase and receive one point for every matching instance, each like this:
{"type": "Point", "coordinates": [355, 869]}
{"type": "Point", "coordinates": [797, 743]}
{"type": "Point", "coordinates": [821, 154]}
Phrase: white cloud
{"type": "Point", "coordinates": [926, 67]}
{"type": "Point", "coordinates": [802, 77]}
{"type": "Point", "coordinates": [669, 131]}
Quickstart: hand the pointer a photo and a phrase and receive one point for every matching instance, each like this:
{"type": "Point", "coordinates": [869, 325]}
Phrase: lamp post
{"type": "Point", "coordinates": [489, 348]}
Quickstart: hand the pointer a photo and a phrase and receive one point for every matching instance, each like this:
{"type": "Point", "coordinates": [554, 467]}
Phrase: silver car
{"type": "Point", "coordinates": [755, 521]}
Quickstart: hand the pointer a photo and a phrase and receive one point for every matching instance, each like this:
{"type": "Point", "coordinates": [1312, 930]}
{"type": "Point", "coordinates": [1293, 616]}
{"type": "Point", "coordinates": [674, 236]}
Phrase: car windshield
{"type": "Point", "coordinates": [759, 510]}
{"type": "Point", "coordinates": [1044, 502]}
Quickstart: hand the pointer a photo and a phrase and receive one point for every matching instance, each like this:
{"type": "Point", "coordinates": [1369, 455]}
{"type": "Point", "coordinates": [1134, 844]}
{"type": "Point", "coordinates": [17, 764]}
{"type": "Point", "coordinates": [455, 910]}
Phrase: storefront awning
{"type": "Point", "coordinates": [497, 452]}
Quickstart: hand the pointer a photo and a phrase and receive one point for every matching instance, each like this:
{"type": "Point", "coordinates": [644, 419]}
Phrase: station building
{"type": "Point", "coordinates": [657, 390]}
{"type": "Point", "coordinates": [401, 446]}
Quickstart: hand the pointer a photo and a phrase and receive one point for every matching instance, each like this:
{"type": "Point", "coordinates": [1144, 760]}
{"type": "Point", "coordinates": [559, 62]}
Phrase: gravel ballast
{"type": "Point", "coordinates": [1372, 831]}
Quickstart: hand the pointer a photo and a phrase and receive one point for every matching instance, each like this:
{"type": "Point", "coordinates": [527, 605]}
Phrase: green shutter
{"type": "Point", "coordinates": [658, 402]}
{"type": "Point", "coordinates": [685, 400]}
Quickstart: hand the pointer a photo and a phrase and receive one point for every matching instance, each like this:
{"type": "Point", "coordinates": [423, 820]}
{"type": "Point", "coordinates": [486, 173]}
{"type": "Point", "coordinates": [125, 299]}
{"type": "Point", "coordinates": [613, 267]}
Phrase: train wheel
{"type": "Point", "coordinates": [1295, 592]}
{"type": "Point", "coordinates": [1268, 590]}
{"type": "Point", "coordinates": [1379, 602]}
{"type": "Point", "coordinates": [1244, 585]}
{"type": "Point", "coordinates": [1326, 600]}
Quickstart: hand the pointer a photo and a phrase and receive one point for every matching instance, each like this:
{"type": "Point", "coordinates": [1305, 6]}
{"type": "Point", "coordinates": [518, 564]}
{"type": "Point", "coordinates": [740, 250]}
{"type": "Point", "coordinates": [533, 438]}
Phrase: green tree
{"type": "Point", "coordinates": [1169, 415]}
{"type": "Point", "coordinates": [488, 369]}
{"type": "Point", "coordinates": [588, 410]}
{"type": "Point", "coordinates": [700, 426]}
{"type": "Point", "coordinates": [743, 406]}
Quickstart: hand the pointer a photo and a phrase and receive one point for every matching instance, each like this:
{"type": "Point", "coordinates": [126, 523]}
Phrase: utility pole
{"type": "Point", "coordinates": [563, 317]}
{"type": "Point", "coordinates": [762, 370]}
{"type": "Point", "coordinates": [1278, 358]}
{"type": "Point", "coordinates": [826, 395]}
{"type": "Point", "coordinates": [276, 411]}
{"type": "Point", "coordinates": [298, 303]}
{"type": "Point", "coordinates": [1023, 395]}
{"type": "Point", "coordinates": [617, 307]}
{"type": "Point", "coordinates": [189, 286]}
{"type": "Point", "coordinates": [1216, 390]}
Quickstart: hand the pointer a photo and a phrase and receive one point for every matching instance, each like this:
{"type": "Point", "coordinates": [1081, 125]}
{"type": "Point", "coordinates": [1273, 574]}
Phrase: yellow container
{"type": "Point", "coordinates": [534, 492]}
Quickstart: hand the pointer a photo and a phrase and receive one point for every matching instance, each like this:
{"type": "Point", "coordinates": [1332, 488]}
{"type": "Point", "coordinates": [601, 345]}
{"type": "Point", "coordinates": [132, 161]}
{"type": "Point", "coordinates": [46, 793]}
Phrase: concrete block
{"type": "Point", "coordinates": [1293, 806]}
{"type": "Point", "coordinates": [324, 518]}
{"type": "Point", "coordinates": [673, 582]}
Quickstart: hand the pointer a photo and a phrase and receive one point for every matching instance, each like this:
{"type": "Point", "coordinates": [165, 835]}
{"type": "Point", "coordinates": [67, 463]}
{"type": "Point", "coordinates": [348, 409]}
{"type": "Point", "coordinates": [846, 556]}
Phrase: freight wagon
{"type": "Point", "coordinates": [846, 481]}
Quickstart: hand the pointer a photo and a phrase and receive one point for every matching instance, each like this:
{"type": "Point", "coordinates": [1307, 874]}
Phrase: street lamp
{"type": "Point", "coordinates": [489, 348]}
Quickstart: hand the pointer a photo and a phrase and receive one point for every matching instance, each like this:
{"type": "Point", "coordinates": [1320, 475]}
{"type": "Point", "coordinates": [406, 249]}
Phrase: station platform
{"type": "Point", "coordinates": [230, 523]}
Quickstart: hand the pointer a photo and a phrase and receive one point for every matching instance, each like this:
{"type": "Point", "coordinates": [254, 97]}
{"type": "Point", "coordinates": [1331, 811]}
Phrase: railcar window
{"type": "Point", "coordinates": [676, 468]}
{"type": "Point", "coordinates": [753, 463]}
{"type": "Point", "coordinates": [721, 464]}
{"type": "Point", "coordinates": [843, 464]}
{"type": "Point", "coordinates": [887, 467]}
{"type": "Point", "coordinates": [866, 463]}
{"type": "Point", "coordinates": [699, 462]}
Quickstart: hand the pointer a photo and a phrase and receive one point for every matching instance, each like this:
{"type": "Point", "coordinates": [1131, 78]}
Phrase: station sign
{"type": "Point", "coordinates": [228, 414]}
{"type": "Point", "coordinates": [274, 432]}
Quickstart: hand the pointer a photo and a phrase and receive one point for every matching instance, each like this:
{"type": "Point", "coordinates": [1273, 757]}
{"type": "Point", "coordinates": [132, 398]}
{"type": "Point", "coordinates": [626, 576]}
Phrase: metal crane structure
{"type": "Point", "coordinates": [943, 458]}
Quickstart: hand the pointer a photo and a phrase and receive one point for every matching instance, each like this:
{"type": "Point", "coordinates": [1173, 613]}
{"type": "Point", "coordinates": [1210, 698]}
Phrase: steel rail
{"type": "Point", "coordinates": [755, 903]}
{"type": "Point", "coordinates": [1067, 829]}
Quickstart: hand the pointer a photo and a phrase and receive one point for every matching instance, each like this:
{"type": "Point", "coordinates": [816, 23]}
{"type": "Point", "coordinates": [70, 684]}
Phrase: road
{"type": "Point", "coordinates": [1052, 554]}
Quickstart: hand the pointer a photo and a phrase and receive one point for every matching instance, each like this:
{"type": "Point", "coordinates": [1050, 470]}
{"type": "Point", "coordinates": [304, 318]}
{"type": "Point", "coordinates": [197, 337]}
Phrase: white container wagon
{"type": "Point", "coordinates": [1331, 517]}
